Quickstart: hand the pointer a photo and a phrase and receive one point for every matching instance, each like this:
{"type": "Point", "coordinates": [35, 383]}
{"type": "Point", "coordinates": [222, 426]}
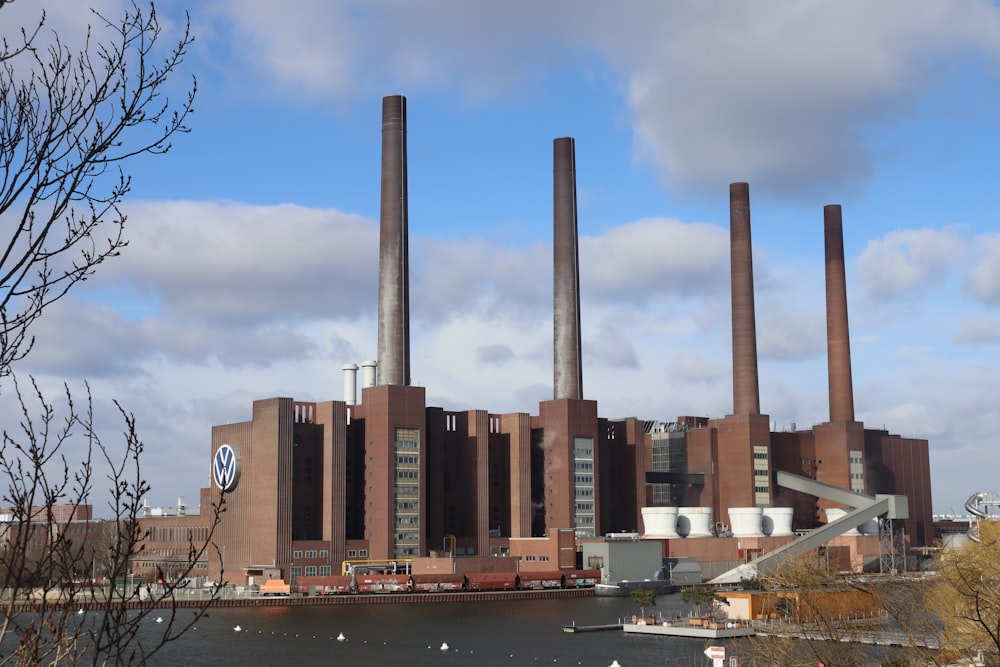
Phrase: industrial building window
{"type": "Point", "coordinates": [857, 471]}
{"type": "Point", "coordinates": [363, 553]}
{"type": "Point", "coordinates": [310, 570]}
{"type": "Point", "coordinates": [324, 553]}
{"type": "Point", "coordinates": [583, 486]}
{"type": "Point", "coordinates": [407, 492]}
{"type": "Point", "coordinates": [669, 454]}
{"type": "Point", "coordinates": [310, 553]}
{"type": "Point", "coordinates": [351, 553]}
{"type": "Point", "coordinates": [324, 570]}
{"type": "Point", "coordinates": [296, 554]}
{"type": "Point", "coordinates": [762, 475]}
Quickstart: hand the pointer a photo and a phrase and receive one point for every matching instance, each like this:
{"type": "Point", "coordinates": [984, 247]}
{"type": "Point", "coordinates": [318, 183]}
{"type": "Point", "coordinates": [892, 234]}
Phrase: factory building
{"type": "Point", "coordinates": [309, 485]}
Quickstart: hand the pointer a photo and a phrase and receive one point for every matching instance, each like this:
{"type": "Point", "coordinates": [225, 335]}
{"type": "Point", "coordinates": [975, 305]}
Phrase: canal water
{"type": "Point", "coordinates": [487, 634]}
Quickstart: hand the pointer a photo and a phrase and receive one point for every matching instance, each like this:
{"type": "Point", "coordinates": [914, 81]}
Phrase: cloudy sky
{"type": "Point", "coordinates": [252, 266]}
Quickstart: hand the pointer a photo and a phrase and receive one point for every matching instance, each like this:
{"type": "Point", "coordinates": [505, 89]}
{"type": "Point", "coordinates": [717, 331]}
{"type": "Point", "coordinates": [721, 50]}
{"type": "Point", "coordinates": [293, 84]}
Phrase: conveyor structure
{"type": "Point", "coordinates": [866, 509]}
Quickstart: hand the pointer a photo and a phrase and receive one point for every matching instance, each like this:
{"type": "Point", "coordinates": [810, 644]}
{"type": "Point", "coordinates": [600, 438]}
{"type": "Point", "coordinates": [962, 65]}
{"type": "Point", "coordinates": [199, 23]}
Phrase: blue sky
{"type": "Point", "coordinates": [252, 266]}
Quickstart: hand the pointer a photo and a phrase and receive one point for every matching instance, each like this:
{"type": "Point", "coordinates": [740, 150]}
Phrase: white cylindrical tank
{"type": "Point", "coordinates": [368, 373]}
{"type": "Point", "coordinates": [834, 513]}
{"type": "Point", "coordinates": [746, 521]}
{"type": "Point", "coordinates": [777, 521]}
{"type": "Point", "coordinates": [660, 522]}
{"type": "Point", "coordinates": [351, 384]}
{"type": "Point", "coordinates": [694, 521]}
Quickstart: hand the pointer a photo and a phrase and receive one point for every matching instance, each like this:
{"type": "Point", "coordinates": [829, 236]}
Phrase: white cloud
{"type": "Point", "coordinates": [977, 331]}
{"type": "Point", "coordinates": [909, 262]}
{"type": "Point", "coordinates": [785, 95]}
{"type": "Point", "coordinates": [654, 258]}
{"type": "Point", "coordinates": [983, 281]}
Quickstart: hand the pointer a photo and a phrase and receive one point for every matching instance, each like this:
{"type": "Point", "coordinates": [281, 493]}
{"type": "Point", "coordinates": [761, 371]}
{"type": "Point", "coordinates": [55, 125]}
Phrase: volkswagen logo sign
{"type": "Point", "coordinates": [226, 468]}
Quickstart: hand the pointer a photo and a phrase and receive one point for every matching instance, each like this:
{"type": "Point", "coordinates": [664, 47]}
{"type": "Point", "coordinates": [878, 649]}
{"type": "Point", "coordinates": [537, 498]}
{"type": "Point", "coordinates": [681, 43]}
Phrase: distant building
{"type": "Point", "coordinates": [309, 485]}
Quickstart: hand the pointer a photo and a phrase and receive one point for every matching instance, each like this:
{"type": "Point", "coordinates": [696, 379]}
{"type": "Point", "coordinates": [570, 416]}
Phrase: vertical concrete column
{"type": "Point", "coordinates": [746, 396]}
{"type": "Point", "coordinates": [567, 347]}
{"type": "Point", "coordinates": [838, 339]}
{"type": "Point", "coordinates": [393, 266]}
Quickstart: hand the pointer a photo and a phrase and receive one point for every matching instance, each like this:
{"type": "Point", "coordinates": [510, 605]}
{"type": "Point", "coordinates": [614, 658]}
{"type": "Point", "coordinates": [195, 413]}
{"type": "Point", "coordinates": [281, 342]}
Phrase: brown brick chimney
{"type": "Point", "coordinates": [746, 396]}
{"type": "Point", "coordinates": [838, 341]}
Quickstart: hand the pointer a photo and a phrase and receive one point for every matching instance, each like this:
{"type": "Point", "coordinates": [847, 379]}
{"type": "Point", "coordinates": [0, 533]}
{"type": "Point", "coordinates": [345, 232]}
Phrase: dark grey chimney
{"type": "Point", "coordinates": [567, 348]}
{"type": "Point", "coordinates": [393, 266]}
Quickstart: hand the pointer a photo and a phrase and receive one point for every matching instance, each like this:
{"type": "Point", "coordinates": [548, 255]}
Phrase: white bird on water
{"type": "Point", "coordinates": [341, 637]}
{"type": "Point", "coordinates": [159, 619]}
{"type": "Point", "coordinates": [237, 629]}
{"type": "Point", "coordinates": [444, 646]}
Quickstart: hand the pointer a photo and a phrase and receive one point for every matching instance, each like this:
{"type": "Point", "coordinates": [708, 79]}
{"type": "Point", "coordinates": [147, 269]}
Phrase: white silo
{"type": "Point", "coordinates": [746, 521]}
{"type": "Point", "coordinates": [368, 377]}
{"type": "Point", "coordinates": [834, 513]}
{"type": "Point", "coordinates": [777, 521]}
{"type": "Point", "coordinates": [694, 521]}
{"type": "Point", "coordinates": [660, 522]}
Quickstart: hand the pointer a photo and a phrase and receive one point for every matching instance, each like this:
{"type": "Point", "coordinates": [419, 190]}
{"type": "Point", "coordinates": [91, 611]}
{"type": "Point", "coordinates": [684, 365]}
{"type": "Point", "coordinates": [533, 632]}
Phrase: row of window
{"type": "Point", "coordinates": [311, 553]}
{"type": "Point", "coordinates": [542, 559]}
{"type": "Point", "coordinates": [310, 571]}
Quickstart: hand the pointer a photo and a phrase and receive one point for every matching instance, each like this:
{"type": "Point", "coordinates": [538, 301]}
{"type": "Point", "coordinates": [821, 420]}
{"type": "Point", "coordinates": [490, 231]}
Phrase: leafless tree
{"type": "Point", "coordinates": [824, 617]}
{"type": "Point", "coordinates": [69, 120]}
{"type": "Point", "coordinates": [53, 610]}
{"type": "Point", "coordinates": [74, 111]}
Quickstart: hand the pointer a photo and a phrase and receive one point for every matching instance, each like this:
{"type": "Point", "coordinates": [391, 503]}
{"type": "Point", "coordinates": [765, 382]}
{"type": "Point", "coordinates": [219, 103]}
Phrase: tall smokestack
{"type": "Point", "coordinates": [393, 265]}
{"type": "Point", "coordinates": [567, 348]}
{"type": "Point", "coordinates": [838, 340]}
{"type": "Point", "coordinates": [746, 396]}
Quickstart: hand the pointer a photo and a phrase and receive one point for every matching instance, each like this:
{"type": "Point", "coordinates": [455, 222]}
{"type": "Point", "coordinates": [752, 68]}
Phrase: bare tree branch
{"type": "Point", "coordinates": [68, 121]}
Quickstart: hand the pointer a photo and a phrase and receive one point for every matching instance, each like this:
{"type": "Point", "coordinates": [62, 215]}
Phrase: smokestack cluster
{"type": "Point", "coordinates": [838, 341]}
{"type": "Point", "coordinates": [393, 267]}
{"type": "Point", "coordinates": [746, 396]}
{"type": "Point", "coordinates": [567, 346]}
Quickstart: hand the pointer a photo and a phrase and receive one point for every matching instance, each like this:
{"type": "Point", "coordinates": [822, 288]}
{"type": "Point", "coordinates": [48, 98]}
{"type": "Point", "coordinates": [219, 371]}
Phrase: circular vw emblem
{"type": "Point", "coordinates": [226, 468]}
